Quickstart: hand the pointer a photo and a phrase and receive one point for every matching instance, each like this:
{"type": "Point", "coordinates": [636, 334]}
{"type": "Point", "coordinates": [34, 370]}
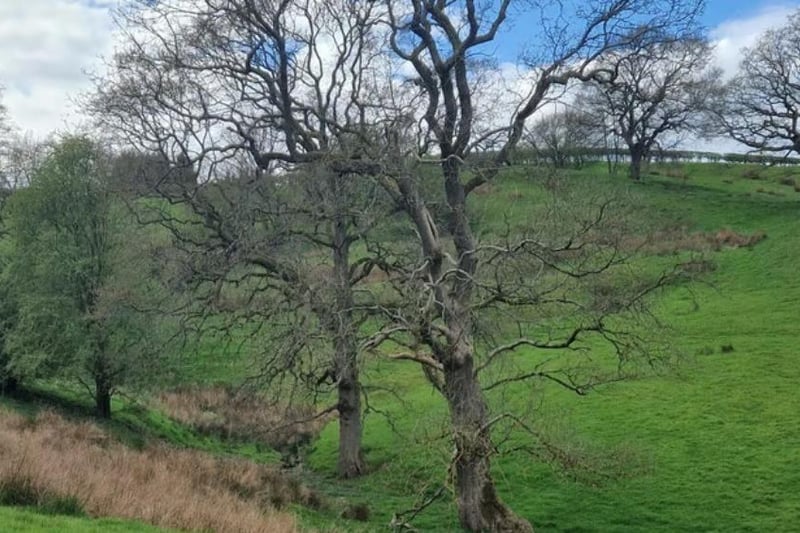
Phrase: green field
{"type": "Point", "coordinates": [719, 434]}
{"type": "Point", "coordinates": [711, 445]}
{"type": "Point", "coordinates": [29, 521]}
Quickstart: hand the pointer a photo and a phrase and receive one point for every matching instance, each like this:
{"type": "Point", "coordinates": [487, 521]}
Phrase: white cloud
{"type": "Point", "coordinates": [733, 35]}
{"type": "Point", "coordinates": [47, 45]}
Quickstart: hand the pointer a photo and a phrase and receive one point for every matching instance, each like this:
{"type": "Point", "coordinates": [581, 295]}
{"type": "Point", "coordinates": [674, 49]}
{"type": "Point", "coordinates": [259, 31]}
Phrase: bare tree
{"type": "Point", "coordinates": [4, 126]}
{"type": "Point", "coordinates": [23, 154]}
{"type": "Point", "coordinates": [5, 131]}
{"type": "Point", "coordinates": [760, 106]}
{"type": "Point", "coordinates": [282, 89]}
{"type": "Point", "coordinates": [447, 286]}
{"type": "Point", "coordinates": [20, 153]}
{"type": "Point", "coordinates": [654, 95]}
{"type": "Point", "coordinates": [298, 87]}
{"type": "Point", "coordinates": [563, 138]}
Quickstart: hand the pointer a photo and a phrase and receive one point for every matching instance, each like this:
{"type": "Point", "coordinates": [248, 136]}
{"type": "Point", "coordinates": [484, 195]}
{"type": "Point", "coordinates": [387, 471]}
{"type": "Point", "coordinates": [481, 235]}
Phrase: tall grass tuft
{"type": "Point", "coordinates": [229, 414]}
{"type": "Point", "coordinates": [71, 467]}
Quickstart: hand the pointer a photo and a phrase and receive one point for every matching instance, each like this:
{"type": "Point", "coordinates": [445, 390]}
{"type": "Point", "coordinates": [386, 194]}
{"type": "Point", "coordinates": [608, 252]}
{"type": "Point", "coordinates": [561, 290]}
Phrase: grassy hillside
{"type": "Point", "coordinates": [711, 445]}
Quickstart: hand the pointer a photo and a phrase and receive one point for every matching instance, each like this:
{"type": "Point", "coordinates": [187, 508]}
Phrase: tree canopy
{"type": "Point", "coordinates": [71, 319]}
{"type": "Point", "coordinates": [760, 106]}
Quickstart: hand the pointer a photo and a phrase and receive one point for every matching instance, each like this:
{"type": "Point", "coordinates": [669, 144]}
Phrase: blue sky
{"type": "Point", "coordinates": [48, 45]}
{"type": "Point", "coordinates": [717, 11]}
{"type": "Point", "coordinates": [522, 27]}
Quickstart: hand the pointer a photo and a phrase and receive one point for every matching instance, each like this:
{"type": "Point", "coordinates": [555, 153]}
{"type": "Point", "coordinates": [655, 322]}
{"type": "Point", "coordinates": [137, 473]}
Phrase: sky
{"type": "Point", "coordinates": [48, 46]}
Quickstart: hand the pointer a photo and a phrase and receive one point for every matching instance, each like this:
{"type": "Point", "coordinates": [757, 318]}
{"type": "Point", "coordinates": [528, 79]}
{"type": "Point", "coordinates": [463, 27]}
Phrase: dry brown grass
{"type": "Point", "coordinates": [677, 172]}
{"type": "Point", "coordinates": [232, 415]}
{"type": "Point", "coordinates": [679, 239]}
{"type": "Point", "coordinates": [730, 238]}
{"type": "Point", "coordinates": [182, 489]}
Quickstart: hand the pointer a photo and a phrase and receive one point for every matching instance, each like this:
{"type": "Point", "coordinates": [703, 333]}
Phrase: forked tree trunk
{"type": "Point", "coordinates": [479, 506]}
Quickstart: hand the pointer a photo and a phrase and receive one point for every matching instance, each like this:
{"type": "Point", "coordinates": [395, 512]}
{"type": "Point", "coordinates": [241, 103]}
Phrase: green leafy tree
{"type": "Point", "coordinates": [72, 278]}
{"type": "Point", "coordinates": [7, 308]}
{"type": "Point", "coordinates": [8, 381]}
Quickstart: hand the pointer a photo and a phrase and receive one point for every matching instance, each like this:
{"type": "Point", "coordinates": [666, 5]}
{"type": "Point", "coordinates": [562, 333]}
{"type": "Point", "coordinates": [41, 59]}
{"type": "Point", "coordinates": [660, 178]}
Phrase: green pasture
{"type": "Point", "coordinates": [711, 443]}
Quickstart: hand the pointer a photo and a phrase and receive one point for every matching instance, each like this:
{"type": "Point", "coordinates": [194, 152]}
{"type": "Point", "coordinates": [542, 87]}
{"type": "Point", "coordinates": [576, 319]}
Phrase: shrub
{"type": "Point", "coordinates": [356, 511]}
{"type": "Point", "coordinates": [752, 173]}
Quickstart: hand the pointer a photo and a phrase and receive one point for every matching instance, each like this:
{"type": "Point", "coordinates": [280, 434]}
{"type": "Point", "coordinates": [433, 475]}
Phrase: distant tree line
{"type": "Point", "coordinates": [576, 157]}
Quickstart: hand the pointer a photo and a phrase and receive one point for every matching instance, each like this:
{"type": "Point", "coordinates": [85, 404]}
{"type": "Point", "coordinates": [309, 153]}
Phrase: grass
{"type": "Point", "coordinates": [22, 520]}
{"type": "Point", "coordinates": [710, 446]}
{"type": "Point", "coordinates": [719, 435]}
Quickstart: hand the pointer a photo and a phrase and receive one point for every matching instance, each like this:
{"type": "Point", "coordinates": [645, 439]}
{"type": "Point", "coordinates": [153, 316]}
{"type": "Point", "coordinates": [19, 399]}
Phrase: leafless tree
{"type": "Point", "coordinates": [23, 154]}
{"type": "Point", "coordinates": [760, 106]}
{"type": "Point", "coordinates": [449, 289]}
{"type": "Point", "coordinates": [305, 89]}
{"type": "Point", "coordinates": [654, 95]}
{"type": "Point", "coordinates": [3, 112]}
{"type": "Point", "coordinates": [277, 97]}
{"type": "Point", "coordinates": [20, 153]}
{"type": "Point", "coordinates": [562, 138]}
{"type": "Point", "coordinates": [5, 131]}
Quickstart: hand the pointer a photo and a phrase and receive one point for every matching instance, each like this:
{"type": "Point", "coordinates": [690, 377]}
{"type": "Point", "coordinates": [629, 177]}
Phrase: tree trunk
{"type": "Point", "coordinates": [102, 397]}
{"type": "Point", "coordinates": [351, 460]}
{"type": "Point", "coordinates": [637, 155]}
{"type": "Point", "coordinates": [479, 506]}
{"type": "Point", "coordinates": [9, 385]}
